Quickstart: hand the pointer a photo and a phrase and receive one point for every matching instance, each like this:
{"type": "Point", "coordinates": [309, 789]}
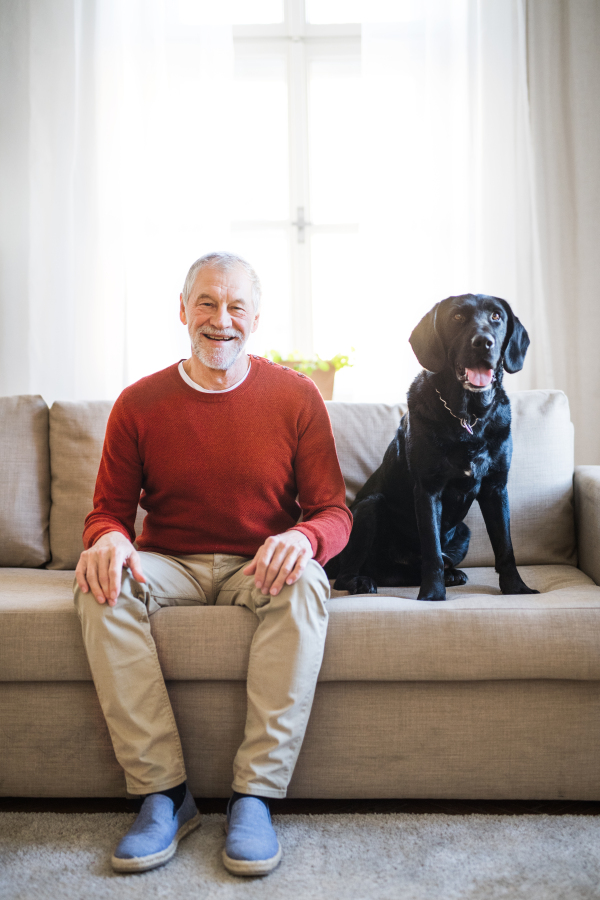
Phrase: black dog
{"type": "Point", "coordinates": [453, 446]}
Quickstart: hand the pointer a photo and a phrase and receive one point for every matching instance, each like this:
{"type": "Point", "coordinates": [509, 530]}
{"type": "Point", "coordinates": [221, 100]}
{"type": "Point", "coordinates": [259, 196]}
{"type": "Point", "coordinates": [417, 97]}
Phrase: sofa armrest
{"type": "Point", "coordinates": [587, 519]}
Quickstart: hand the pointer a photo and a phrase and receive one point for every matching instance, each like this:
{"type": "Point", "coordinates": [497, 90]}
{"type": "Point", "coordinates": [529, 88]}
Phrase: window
{"type": "Point", "coordinates": [365, 179]}
{"type": "Point", "coordinates": [297, 70]}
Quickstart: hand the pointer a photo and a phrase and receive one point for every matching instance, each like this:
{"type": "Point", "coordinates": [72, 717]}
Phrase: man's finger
{"type": "Point", "coordinates": [115, 573]}
{"type": "Point", "coordinates": [286, 567]}
{"type": "Point", "coordinates": [94, 584]}
{"type": "Point", "coordinates": [277, 560]}
{"type": "Point", "coordinates": [80, 575]}
{"type": "Point", "coordinates": [135, 564]}
{"type": "Point", "coordinates": [250, 569]}
{"type": "Point", "coordinates": [102, 569]}
{"type": "Point", "coordinates": [301, 564]}
{"type": "Point", "coordinates": [263, 557]}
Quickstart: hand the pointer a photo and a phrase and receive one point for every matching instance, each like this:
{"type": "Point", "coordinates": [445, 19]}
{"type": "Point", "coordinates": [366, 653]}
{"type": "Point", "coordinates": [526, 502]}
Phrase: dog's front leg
{"type": "Point", "coordinates": [493, 500]}
{"type": "Point", "coordinates": [428, 507]}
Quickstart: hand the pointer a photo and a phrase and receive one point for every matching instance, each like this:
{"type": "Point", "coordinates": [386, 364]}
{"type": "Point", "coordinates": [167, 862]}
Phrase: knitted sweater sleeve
{"type": "Point", "coordinates": [326, 520]}
{"type": "Point", "coordinates": [119, 480]}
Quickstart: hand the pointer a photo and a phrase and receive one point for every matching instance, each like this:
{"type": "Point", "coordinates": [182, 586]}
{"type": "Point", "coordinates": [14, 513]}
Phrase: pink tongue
{"type": "Point", "coordinates": [479, 377]}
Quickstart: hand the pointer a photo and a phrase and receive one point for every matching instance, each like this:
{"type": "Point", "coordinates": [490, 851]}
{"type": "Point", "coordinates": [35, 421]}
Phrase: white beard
{"type": "Point", "coordinates": [217, 355]}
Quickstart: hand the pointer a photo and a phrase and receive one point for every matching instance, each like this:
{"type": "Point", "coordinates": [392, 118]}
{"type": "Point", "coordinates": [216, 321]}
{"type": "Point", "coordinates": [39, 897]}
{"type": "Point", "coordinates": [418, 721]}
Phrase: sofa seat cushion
{"type": "Point", "coordinates": [40, 634]}
{"type": "Point", "coordinates": [477, 634]}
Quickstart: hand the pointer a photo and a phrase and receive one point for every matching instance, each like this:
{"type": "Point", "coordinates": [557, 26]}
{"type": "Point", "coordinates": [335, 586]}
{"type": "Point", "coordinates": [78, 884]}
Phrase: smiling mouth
{"type": "Point", "coordinates": [479, 378]}
{"type": "Point", "coordinates": [216, 337]}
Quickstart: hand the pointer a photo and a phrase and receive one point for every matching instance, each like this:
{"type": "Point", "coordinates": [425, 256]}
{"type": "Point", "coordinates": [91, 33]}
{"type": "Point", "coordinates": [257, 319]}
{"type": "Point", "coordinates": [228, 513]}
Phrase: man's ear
{"type": "Point", "coordinates": [516, 342]}
{"type": "Point", "coordinates": [182, 314]}
{"type": "Point", "coordinates": [427, 344]}
{"type": "Point", "coordinates": [255, 323]}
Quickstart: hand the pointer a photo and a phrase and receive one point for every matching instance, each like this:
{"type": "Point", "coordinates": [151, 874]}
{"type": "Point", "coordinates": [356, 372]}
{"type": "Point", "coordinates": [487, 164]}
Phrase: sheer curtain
{"type": "Point", "coordinates": [115, 160]}
{"type": "Point", "coordinates": [564, 80]}
{"type": "Point", "coordinates": [449, 191]}
{"type": "Point", "coordinates": [116, 145]}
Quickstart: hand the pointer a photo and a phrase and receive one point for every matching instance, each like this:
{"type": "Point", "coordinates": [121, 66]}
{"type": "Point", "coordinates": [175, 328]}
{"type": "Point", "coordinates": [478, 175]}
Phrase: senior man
{"type": "Point", "coordinates": [223, 451]}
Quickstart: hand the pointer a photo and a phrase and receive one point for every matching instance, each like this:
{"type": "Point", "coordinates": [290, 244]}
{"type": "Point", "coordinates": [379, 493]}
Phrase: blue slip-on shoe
{"type": "Point", "coordinates": [152, 839]}
{"type": "Point", "coordinates": [251, 847]}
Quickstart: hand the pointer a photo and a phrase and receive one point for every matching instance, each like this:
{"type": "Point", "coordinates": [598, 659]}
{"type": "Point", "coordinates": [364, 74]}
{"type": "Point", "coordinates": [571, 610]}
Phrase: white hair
{"type": "Point", "coordinates": [223, 262]}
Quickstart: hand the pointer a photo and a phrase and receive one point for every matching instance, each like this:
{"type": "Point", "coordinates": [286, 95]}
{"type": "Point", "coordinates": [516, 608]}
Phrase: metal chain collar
{"type": "Point", "coordinates": [463, 421]}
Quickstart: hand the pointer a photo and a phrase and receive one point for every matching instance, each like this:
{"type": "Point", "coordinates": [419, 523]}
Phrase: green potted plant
{"type": "Point", "coordinates": [321, 371]}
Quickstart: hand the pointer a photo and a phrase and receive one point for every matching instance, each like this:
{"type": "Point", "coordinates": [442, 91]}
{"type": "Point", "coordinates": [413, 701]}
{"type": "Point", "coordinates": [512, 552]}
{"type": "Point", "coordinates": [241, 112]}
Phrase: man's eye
{"type": "Point", "coordinates": [459, 318]}
{"type": "Point", "coordinates": [496, 316]}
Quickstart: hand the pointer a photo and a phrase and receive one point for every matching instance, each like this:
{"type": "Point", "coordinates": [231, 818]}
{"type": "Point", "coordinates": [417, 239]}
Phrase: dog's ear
{"type": "Point", "coordinates": [427, 344]}
{"type": "Point", "coordinates": [516, 342]}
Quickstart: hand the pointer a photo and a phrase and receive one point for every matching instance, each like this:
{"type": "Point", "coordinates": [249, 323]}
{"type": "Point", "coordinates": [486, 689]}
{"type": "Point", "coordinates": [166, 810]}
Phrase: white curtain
{"type": "Point", "coordinates": [114, 172]}
{"type": "Point", "coordinates": [115, 154]}
{"type": "Point", "coordinates": [564, 81]}
{"type": "Point", "coordinates": [449, 204]}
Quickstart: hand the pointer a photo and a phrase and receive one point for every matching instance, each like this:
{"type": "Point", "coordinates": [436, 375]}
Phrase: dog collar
{"type": "Point", "coordinates": [466, 423]}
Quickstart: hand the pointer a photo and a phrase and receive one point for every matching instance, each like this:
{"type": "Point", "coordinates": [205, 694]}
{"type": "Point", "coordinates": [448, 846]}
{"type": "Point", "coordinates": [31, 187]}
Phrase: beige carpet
{"type": "Point", "coordinates": [47, 856]}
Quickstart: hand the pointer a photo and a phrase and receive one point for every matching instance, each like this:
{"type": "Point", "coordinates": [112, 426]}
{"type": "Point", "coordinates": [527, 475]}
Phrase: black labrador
{"type": "Point", "coordinates": [453, 446]}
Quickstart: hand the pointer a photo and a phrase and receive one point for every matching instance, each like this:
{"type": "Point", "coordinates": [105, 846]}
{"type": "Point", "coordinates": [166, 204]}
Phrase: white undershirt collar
{"type": "Point", "coordinates": [197, 387]}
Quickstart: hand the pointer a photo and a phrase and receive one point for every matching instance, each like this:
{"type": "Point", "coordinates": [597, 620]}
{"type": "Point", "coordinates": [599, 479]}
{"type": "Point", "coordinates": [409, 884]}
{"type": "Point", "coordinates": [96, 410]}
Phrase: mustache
{"type": "Point", "coordinates": [220, 332]}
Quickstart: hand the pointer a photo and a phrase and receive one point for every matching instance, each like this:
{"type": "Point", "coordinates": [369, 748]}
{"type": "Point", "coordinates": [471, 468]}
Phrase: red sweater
{"type": "Point", "coordinates": [219, 473]}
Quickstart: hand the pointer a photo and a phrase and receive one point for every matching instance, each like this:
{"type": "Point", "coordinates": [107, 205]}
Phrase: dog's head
{"type": "Point", "coordinates": [470, 334]}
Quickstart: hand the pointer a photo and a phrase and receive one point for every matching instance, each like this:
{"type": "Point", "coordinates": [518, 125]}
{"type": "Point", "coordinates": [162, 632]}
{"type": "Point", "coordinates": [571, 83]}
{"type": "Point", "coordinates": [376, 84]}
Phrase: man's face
{"type": "Point", "coordinates": [220, 316]}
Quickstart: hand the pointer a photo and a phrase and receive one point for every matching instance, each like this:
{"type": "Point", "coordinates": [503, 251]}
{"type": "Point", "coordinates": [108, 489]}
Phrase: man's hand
{"type": "Point", "coordinates": [100, 568]}
{"type": "Point", "coordinates": [281, 560]}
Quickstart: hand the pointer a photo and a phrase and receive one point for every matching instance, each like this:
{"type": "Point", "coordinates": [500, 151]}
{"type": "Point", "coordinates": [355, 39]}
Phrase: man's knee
{"type": "Point", "coordinates": [310, 593]}
{"type": "Point", "coordinates": [314, 578]}
{"type": "Point", "coordinates": [86, 604]}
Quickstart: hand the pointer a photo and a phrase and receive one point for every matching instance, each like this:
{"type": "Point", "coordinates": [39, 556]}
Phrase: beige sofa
{"type": "Point", "coordinates": [482, 696]}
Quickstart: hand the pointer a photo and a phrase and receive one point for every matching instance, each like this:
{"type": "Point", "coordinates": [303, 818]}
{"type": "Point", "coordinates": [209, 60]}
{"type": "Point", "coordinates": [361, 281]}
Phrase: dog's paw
{"type": "Point", "coordinates": [356, 584]}
{"type": "Point", "coordinates": [454, 577]}
{"type": "Point", "coordinates": [515, 587]}
{"type": "Point", "coordinates": [434, 595]}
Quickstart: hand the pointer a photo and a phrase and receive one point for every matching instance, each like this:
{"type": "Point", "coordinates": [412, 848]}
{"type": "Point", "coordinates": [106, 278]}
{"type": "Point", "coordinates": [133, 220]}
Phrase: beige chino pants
{"type": "Point", "coordinates": [285, 658]}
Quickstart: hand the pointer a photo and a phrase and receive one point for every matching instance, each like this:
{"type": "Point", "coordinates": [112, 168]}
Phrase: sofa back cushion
{"type": "Point", "coordinates": [76, 438]}
{"type": "Point", "coordinates": [24, 482]}
{"type": "Point", "coordinates": [362, 433]}
{"type": "Point", "coordinates": [540, 485]}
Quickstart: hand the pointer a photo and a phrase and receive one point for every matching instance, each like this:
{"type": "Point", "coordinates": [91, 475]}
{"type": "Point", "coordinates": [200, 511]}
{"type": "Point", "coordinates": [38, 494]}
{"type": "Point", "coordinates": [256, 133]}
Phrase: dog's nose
{"type": "Point", "coordinates": [482, 341]}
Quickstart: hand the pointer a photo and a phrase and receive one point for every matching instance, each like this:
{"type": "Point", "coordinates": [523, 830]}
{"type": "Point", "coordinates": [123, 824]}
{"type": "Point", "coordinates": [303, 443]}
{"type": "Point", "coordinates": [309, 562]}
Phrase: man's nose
{"type": "Point", "coordinates": [482, 341]}
{"type": "Point", "coordinates": [221, 318]}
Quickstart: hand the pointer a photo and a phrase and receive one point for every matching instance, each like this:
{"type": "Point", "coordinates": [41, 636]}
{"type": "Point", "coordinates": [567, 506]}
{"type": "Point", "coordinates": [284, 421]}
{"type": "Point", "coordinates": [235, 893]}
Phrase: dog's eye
{"type": "Point", "coordinates": [459, 318]}
{"type": "Point", "coordinates": [496, 316]}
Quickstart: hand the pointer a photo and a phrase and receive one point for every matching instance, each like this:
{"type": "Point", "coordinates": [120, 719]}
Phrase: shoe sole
{"type": "Point", "coordinates": [154, 860]}
{"type": "Point", "coordinates": [251, 866]}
